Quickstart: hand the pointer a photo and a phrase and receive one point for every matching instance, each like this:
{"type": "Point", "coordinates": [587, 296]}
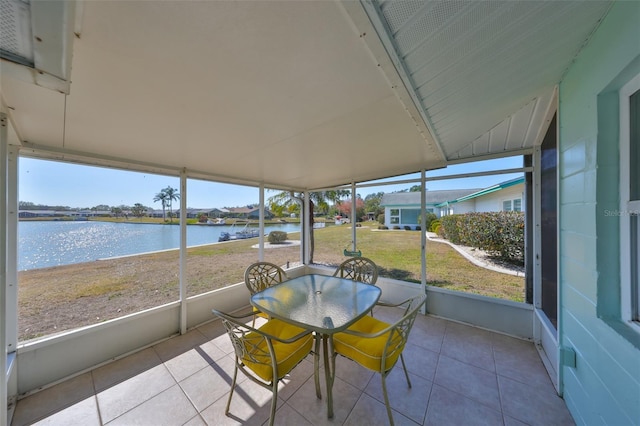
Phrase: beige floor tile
{"type": "Point", "coordinates": [124, 368]}
{"type": "Point", "coordinates": [468, 380]}
{"type": "Point", "coordinates": [522, 363]}
{"type": "Point", "coordinates": [298, 377]}
{"type": "Point", "coordinates": [428, 332]}
{"type": "Point", "coordinates": [449, 408]}
{"type": "Point", "coordinates": [410, 401]}
{"type": "Point", "coordinates": [370, 411]}
{"type": "Point", "coordinates": [83, 413]}
{"type": "Point", "coordinates": [470, 352]}
{"type": "Point", "coordinates": [532, 406]}
{"type": "Point", "coordinates": [196, 421]}
{"type": "Point", "coordinates": [420, 361]}
{"type": "Point", "coordinates": [209, 384]}
{"type": "Point", "coordinates": [351, 372]}
{"type": "Point", "coordinates": [217, 334]}
{"type": "Point", "coordinates": [287, 416]}
{"type": "Point", "coordinates": [124, 396]}
{"type": "Point", "coordinates": [250, 405]}
{"type": "Point", "coordinates": [169, 408]}
{"type": "Point", "coordinates": [510, 421]}
{"type": "Point", "coordinates": [187, 363]}
{"type": "Point", "coordinates": [449, 365]}
{"type": "Point", "coordinates": [180, 344]}
{"type": "Point", "coordinates": [305, 402]}
{"type": "Point", "coordinates": [53, 399]}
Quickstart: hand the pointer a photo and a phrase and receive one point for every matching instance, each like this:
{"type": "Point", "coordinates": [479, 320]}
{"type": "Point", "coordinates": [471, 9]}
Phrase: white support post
{"type": "Point", "coordinates": [423, 234]}
{"type": "Point", "coordinates": [12, 250]}
{"type": "Point", "coordinates": [183, 251]}
{"type": "Point", "coordinates": [306, 231]}
{"type": "Point", "coordinates": [4, 320]}
{"type": "Point", "coordinates": [261, 226]}
{"type": "Point", "coordinates": [353, 216]}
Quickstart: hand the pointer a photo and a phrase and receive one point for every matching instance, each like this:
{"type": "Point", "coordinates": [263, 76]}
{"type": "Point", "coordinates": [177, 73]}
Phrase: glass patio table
{"type": "Point", "coordinates": [323, 304]}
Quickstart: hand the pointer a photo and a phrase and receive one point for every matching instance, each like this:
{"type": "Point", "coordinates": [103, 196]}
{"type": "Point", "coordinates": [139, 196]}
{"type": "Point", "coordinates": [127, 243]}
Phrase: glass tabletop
{"type": "Point", "coordinates": [320, 303]}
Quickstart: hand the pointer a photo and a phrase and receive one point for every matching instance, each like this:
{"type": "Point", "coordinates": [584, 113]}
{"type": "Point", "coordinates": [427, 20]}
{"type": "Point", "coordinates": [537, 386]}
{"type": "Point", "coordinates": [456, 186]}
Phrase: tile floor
{"type": "Point", "coordinates": [461, 376]}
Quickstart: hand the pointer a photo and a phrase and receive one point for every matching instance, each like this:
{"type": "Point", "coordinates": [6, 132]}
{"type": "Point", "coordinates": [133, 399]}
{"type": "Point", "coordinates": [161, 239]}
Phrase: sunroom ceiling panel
{"type": "Point", "coordinates": [474, 65]}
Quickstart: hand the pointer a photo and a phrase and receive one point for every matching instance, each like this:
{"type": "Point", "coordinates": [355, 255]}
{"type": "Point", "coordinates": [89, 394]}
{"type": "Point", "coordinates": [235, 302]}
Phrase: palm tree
{"type": "Point", "coordinates": [172, 195]}
{"type": "Point", "coordinates": [162, 197]}
{"type": "Point", "coordinates": [318, 199]}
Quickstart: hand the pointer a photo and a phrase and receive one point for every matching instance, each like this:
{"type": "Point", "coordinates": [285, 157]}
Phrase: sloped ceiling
{"type": "Point", "coordinates": [301, 94]}
{"type": "Point", "coordinates": [484, 72]}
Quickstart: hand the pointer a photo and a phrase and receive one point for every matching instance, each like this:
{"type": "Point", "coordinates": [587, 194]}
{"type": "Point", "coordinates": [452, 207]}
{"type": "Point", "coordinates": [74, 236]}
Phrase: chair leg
{"type": "Point", "coordinates": [233, 386]}
{"type": "Point", "coordinates": [404, 367]}
{"type": "Point", "coordinates": [316, 365]}
{"type": "Point", "coordinates": [386, 399]}
{"type": "Point", "coordinates": [274, 402]}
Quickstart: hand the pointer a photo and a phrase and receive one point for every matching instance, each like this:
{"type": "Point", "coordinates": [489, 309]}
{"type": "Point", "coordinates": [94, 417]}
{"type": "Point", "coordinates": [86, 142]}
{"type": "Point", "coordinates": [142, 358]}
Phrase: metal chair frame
{"type": "Point", "coordinates": [249, 348]}
{"type": "Point", "coordinates": [398, 335]}
{"type": "Point", "coordinates": [360, 269]}
{"type": "Point", "coordinates": [261, 275]}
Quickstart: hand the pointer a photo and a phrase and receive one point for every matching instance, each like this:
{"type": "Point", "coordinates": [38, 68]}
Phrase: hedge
{"type": "Point", "coordinates": [500, 234]}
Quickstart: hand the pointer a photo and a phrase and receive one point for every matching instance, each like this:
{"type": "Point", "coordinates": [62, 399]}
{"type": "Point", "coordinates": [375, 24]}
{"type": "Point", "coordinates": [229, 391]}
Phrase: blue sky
{"type": "Point", "coordinates": [65, 184]}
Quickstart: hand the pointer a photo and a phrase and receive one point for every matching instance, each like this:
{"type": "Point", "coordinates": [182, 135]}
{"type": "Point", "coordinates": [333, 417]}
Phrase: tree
{"type": "Point", "coordinates": [172, 195]}
{"type": "Point", "coordinates": [117, 211]}
{"type": "Point", "coordinates": [319, 200]}
{"type": "Point", "coordinates": [162, 197]}
{"type": "Point", "coordinates": [344, 207]}
{"type": "Point", "coordinates": [372, 203]}
{"type": "Point", "coordinates": [167, 196]}
{"type": "Point", "coordinates": [138, 210]}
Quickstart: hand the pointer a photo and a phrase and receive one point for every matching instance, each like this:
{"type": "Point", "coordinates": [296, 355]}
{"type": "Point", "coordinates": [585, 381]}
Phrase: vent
{"type": "Point", "coordinates": [15, 32]}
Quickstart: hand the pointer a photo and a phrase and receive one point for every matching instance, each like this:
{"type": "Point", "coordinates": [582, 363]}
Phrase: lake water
{"type": "Point", "coordinates": [51, 243]}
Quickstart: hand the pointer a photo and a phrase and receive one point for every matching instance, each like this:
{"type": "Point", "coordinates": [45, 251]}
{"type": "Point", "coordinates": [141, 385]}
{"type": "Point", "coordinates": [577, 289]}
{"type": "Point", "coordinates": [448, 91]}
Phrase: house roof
{"type": "Point", "coordinates": [335, 92]}
{"type": "Point", "coordinates": [489, 190]}
{"type": "Point", "coordinates": [432, 197]}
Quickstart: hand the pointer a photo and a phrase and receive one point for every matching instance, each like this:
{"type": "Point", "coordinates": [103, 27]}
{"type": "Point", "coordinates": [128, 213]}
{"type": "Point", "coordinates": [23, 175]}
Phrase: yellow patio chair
{"type": "Point", "coordinates": [261, 275]}
{"type": "Point", "coordinates": [377, 345]}
{"type": "Point", "coordinates": [358, 269]}
{"type": "Point", "coordinates": [266, 354]}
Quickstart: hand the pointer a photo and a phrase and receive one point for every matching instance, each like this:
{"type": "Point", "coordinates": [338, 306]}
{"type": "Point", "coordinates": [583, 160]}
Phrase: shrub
{"type": "Point", "coordinates": [418, 228]}
{"type": "Point", "coordinates": [396, 227]}
{"type": "Point", "coordinates": [381, 218]}
{"type": "Point", "coordinates": [500, 234]}
{"type": "Point", "coordinates": [430, 218]}
{"type": "Point", "coordinates": [407, 228]}
{"type": "Point", "coordinates": [434, 226]}
{"type": "Point", "coordinates": [383, 227]}
{"type": "Point", "coordinates": [277, 237]}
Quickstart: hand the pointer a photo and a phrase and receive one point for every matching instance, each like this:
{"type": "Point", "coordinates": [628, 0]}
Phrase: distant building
{"type": "Point", "coordinates": [403, 208]}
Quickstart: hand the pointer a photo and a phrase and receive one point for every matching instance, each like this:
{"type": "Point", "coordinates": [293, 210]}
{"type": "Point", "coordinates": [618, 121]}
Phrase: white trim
{"type": "Point", "coordinates": [626, 206]}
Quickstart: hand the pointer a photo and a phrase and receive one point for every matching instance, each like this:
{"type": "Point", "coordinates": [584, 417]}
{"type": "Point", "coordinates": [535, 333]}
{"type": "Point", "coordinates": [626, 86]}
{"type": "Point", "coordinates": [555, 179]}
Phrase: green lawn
{"type": "Point", "coordinates": [397, 254]}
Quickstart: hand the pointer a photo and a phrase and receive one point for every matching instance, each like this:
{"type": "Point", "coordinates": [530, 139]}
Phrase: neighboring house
{"type": "Point", "coordinates": [191, 213]}
{"type": "Point", "coordinates": [215, 213]}
{"type": "Point", "coordinates": [403, 208]}
{"type": "Point", "coordinates": [505, 196]}
{"type": "Point", "coordinates": [248, 212]}
{"type": "Point", "coordinates": [38, 213]}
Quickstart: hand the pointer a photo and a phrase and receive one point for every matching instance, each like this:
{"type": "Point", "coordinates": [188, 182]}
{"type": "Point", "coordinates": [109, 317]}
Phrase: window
{"type": "Point", "coordinates": [630, 199]}
{"type": "Point", "coordinates": [394, 216]}
{"type": "Point", "coordinates": [512, 205]}
{"type": "Point", "coordinates": [410, 216]}
{"type": "Point", "coordinates": [517, 205]}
